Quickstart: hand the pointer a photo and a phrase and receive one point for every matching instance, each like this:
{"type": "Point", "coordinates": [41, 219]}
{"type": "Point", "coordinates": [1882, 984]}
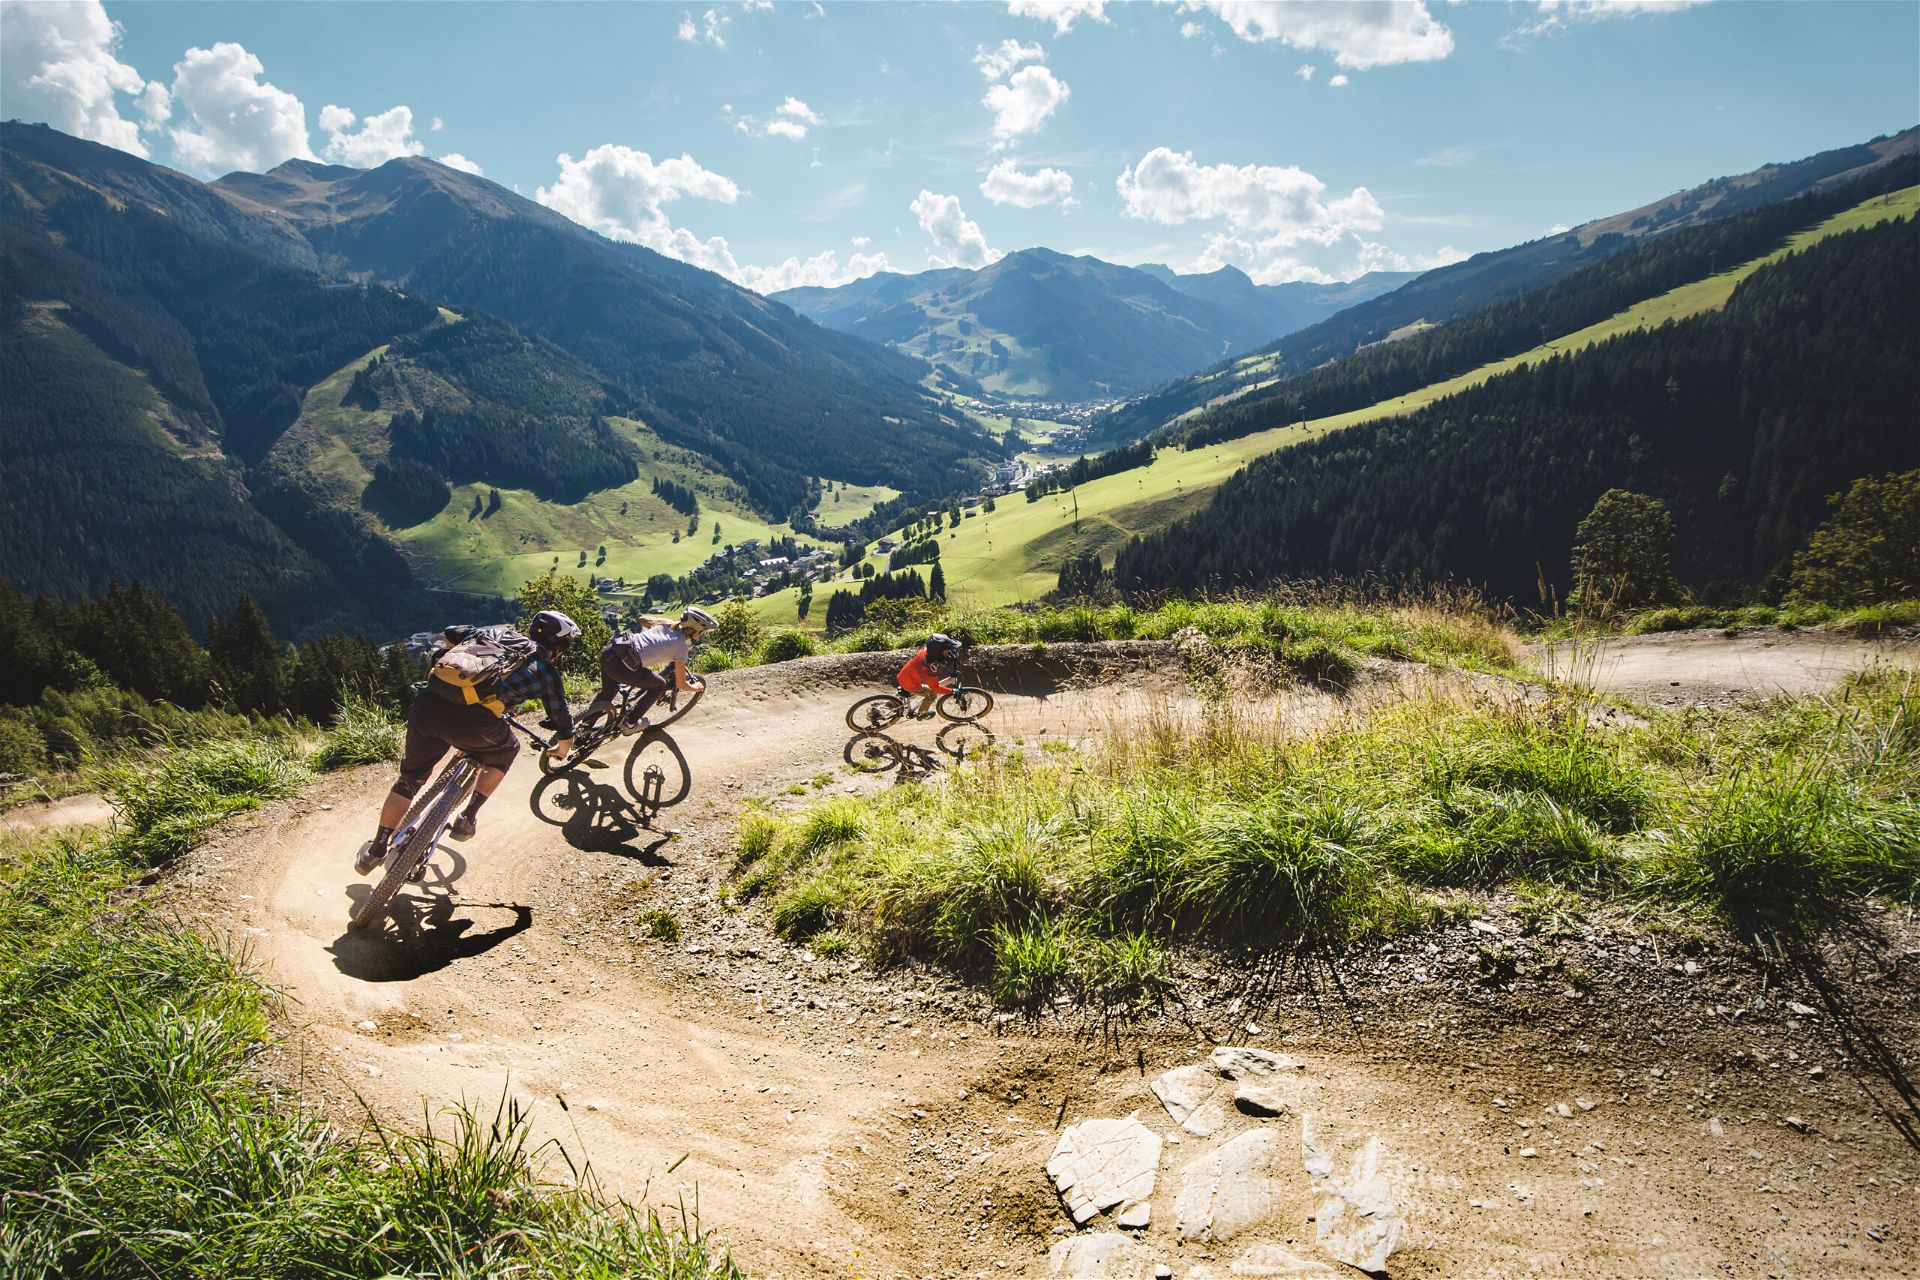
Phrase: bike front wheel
{"type": "Point", "coordinates": [584, 746]}
{"type": "Point", "coordinates": [964, 703]}
{"type": "Point", "coordinates": [451, 789]}
{"type": "Point", "coordinates": [672, 705]}
{"type": "Point", "coordinates": [874, 713]}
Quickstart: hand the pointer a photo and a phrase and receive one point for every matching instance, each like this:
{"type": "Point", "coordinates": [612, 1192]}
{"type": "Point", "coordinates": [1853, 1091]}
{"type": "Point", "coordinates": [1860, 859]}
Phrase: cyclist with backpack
{"type": "Point", "coordinates": [480, 676]}
{"type": "Point", "coordinates": [631, 658]}
{"type": "Point", "coordinates": [919, 675]}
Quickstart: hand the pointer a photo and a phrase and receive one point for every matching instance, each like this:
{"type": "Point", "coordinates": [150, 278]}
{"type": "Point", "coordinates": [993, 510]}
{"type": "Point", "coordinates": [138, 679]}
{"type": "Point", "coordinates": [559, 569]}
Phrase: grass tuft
{"type": "Point", "coordinates": [362, 733]}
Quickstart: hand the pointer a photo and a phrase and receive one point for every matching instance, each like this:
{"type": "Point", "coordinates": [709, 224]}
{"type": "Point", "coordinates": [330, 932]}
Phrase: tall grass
{"type": "Point", "coordinates": [136, 1139]}
{"type": "Point", "coordinates": [1214, 827]}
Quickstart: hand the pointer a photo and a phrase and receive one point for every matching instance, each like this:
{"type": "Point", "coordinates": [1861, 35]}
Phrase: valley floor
{"type": "Point", "coordinates": [1678, 1111]}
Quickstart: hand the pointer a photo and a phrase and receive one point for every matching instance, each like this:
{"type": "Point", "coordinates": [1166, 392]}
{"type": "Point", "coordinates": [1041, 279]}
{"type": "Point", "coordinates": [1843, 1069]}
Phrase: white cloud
{"type": "Point", "coordinates": [1006, 184]}
{"type": "Point", "coordinates": [1192, 30]}
{"type": "Point", "coordinates": [1339, 81]}
{"type": "Point", "coordinates": [1377, 257]}
{"type": "Point", "coordinates": [618, 191]}
{"type": "Point", "coordinates": [861, 242]}
{"type": "Point", "coordinates": [996, 62]}
{"type": "Point", "coordinates": [59, 64]}
{"type": "Point", "coordinates": [454, 160]}
{"type": "Point", "coordinates": [1272, 215]}
{"type": "Point", "coordinates": [794, 109]}
{"type": "Point", "coordinates": [1306, 70]}
{"type": "Point", "coordinates": [380, 138]}
{"type": "Point", "coordinates": [1358, 33]}
{"type": "Point", "coordinates": [438, 125]}
{"type": "Point", "coordinates": [1062, 13]}
{"type": "Point", "coordinates": [957, 239]}
{"type": "Point", "coordinates": [710, 29]}
{"type": "Point", "coordinates": [824, 269]}
{"type": "Point", "coordinates": [1024, 102]}
{"type": "Point", "coordinates": [786, 129]}
{"type": "Point", "coordinates": [235, 119]}
{"type": "Point", "coordinates": [1555, 15]}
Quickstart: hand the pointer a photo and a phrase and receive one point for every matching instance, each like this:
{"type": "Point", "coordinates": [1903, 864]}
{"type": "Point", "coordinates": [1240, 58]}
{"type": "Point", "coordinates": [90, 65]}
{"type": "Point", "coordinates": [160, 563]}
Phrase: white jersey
{"type": "Point", "coordinates": [654, 646]}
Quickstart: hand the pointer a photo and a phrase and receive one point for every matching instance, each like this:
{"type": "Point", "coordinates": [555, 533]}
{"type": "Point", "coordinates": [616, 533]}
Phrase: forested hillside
{"type": "Point", "coordinates": [775, 400]}
{"type": "Point", "coordinates": [1741, 421]}
{"type": "Point", "coordinates": [1464, 288]}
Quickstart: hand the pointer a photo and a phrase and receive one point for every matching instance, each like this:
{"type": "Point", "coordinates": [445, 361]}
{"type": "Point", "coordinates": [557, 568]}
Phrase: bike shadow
{"type": "Point", "coordinates": [598, 817]}
{"type": "Point", "coordinates": [421, 936]}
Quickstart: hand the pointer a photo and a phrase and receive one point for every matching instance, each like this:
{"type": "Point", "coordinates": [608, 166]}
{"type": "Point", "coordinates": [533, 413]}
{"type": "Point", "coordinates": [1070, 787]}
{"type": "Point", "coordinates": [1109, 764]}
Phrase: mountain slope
{"type": "Point", "coordinates": [1465, 288]}
{"type": "Point", "coordinates": [710, 366]}
{"type": "Point", "coordinates": [1741, 420]}
{"type": "Point", "coordinates": [1042, 324]}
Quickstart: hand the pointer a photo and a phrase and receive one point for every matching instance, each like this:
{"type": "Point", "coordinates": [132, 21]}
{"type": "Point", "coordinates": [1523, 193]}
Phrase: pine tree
{"type": "Point", "coordinates": [937, 584]}
{"type": "Point", "coordinates": [247, 660]}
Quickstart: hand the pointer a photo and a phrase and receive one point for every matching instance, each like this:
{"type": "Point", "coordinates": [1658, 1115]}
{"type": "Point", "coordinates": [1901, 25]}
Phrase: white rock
{"type": "Point", "coordinates": [1106, 1256]}
{"type": "Point", "coordinates": [1098, 1164]}
{"type": "Point", "coordinates": [1260, 1100]}
{"type": "Point", "coordinates": [1134, 1215]}
{"type": "Point", "coordinates": [1186, 1092]}
{"type": "Point", "coordinates": [1227, 1191]}
{"type": "Point", "coordinates": [1356, 1222]}
{"type": "Point", "coordinates": [365, 1026]}
{"type": "Point", "coordinates": [1240, 1064]}
{"type": "Point", "coordinates": [1272, 1260]}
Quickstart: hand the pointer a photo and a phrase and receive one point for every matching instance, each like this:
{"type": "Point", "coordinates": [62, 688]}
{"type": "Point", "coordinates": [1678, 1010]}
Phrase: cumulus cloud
{"type": "Point", "coordinates": [1024, 102]}
{"type": "Point", "coordinates": [996, 62]}
{"type": "Point", "coordinates": [861, 242]}
{"type": "Point", "coordinates": [454, 160]}
{"type": "Point", "coordinates": [1358, 33]}
{"type": "Point", "coordinates": [824, 269]}
{"type": "Point", "coordinates": [785, 129]}
{"type": "Point", "coordinates": [1062, 13]}
{"type": "Point", "coordinates": [1273, 218]}
{"type": "Point", "coordinates": [1338, 81]}
{"type": "Point", "coordinates": [59, 63]}
{"type": "Point", "coordinates": [957, 239]}
{"type": "Point", "coordinates": [618, 191]}
{"type": "Point", "coordinates": [235, 120]}
{"type": "Point", "coordinates": [1306, 70]}
{"type": "Point", "coordinates": [1377, 257]}
{"type": "Point", "coordinates": [1192, 30]}
{"type": "Point", "coordinates": [438, 125]}
{"type": "Point", "coordinates": [1555, 15]}
{"type": "Point", "coordinates": [379, 139]}
{"type": "Point", "coordinates": [1006, 184]}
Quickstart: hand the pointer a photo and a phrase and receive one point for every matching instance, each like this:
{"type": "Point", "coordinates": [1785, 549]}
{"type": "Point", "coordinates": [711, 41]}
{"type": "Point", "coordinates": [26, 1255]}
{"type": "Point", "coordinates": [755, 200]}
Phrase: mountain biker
{"type": "Point", "coordinates": [918, 676]}
{"type": "Point", "coordinates": [631, 656]}
{"type": "Point", "coordinates": [445, 715]}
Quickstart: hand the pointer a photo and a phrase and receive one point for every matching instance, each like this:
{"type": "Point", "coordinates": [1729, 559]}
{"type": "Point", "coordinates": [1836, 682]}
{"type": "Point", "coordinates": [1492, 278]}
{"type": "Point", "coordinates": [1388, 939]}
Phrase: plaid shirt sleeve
{"type": "Point", "coordinates": [538, 679]}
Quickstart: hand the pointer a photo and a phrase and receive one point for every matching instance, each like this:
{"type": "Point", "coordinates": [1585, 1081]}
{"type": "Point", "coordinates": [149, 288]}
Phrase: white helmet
{"type": "Point", "coordinates": [698, 617]}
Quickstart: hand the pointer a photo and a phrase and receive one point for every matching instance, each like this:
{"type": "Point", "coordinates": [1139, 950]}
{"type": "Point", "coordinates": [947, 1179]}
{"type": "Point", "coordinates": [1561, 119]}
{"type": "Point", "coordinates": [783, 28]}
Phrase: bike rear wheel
{"type": "Point", "coordinates": [965, 703]}
{"type": "Point", "coordinates": [872, 752]}
{"type": "Point", "coordinates": [875, 712]}
{"type": "Point", "coordinates": [448, 792]}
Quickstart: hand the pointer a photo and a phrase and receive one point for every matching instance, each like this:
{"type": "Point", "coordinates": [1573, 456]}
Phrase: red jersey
{"type": "Point", "coordinates": [917, 677]}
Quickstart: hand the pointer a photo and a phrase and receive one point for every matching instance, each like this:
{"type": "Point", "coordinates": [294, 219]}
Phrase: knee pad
{"type": "Point", "coordinates": [408, 787]}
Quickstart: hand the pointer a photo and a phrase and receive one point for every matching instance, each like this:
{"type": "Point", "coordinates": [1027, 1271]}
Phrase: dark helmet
{"type": "Point", "coordinates": [553, 630]}
{"type": "Point", "coordinates": [940, 645]}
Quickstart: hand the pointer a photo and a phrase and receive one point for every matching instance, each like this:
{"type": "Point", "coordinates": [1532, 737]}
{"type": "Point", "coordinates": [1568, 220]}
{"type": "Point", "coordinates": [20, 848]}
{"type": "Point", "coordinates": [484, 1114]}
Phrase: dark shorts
{"type": "Point", "coordinates": [614, 672]}
{"type": "Point", "coordinates": [435, 723]}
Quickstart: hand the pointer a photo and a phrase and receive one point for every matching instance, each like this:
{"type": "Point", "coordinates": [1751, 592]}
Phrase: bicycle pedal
{"type": "Point", "coordinates": [419, 873]}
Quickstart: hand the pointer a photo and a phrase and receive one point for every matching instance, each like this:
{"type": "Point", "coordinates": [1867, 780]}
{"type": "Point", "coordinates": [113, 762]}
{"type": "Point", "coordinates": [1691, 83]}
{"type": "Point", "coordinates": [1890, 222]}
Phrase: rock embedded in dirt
{"type": "Point", "coordinates": [1260, 1100]}
{"type": "Point", "coordinates": [1105, 1256]}
{"type": "Point", "coordinates": [1098, 1164]}
{"type": "Point", "coordinates": [1186, 1093]}
{"type": "Point", "coordinates": [1356, 1222]}
{"type": "Point", "coordinates": [1240, 1064]}
{"type": "Point", "coordinates": [1227, 1191]}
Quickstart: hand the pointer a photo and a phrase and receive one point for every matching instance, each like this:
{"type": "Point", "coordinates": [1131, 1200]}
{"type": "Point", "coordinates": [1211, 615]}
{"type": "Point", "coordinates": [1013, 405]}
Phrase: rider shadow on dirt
{"type": "Point", "coordinates": [423, 937]}
{"type": "Point", "coordinates": [595, 816]}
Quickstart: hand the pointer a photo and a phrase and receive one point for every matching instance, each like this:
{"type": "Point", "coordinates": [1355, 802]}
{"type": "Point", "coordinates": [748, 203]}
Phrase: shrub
{"type": "Point", "coordinates": [736, 628]}
{"type": "Point", "coordinates": [1869, 550]}
{"type": "Point", "coordinates": [658, 924]}
{"type": "Point", "coordinates": [22, 750]}
{"type": "Point", "coordinates": [1620, 554]}
{"type": "Point", "coordinates": [785, 645]}
{"type": "Point", "coordinates": [1030, 963]}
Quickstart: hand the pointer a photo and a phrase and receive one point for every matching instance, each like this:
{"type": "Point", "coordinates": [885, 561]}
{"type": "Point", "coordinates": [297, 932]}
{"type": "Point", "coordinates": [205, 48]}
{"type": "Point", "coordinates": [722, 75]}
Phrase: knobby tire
{"type": "Point", "coordinates": [875, 712]}
{"type": "Point", "coordinates": [445, 796]}
{"type": "Point", "coordinates": [681, 700]}
{"type": "Point", "coordinates": [964, 704]}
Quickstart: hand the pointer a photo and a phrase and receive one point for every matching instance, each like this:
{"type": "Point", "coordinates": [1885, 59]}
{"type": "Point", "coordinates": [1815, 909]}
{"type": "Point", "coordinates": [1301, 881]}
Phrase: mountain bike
{"type": "Point", "coordinates": [624, 719]}
{"type": "Point", "coordinates": [967, 703]}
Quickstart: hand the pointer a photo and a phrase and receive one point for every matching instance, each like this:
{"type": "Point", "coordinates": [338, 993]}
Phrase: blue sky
{"type": "Point", "coordinates": [799, 143]}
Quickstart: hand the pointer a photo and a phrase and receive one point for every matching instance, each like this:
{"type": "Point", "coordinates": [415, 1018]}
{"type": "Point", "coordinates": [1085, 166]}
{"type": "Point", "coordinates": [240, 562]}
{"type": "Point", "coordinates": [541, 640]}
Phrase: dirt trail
{"type": "Point", "coordinates": [835, 1122]}
{"type": "Point", "coordinates": [88, 810]}
{"type": "Point", "coordinates": [1696, 668]}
